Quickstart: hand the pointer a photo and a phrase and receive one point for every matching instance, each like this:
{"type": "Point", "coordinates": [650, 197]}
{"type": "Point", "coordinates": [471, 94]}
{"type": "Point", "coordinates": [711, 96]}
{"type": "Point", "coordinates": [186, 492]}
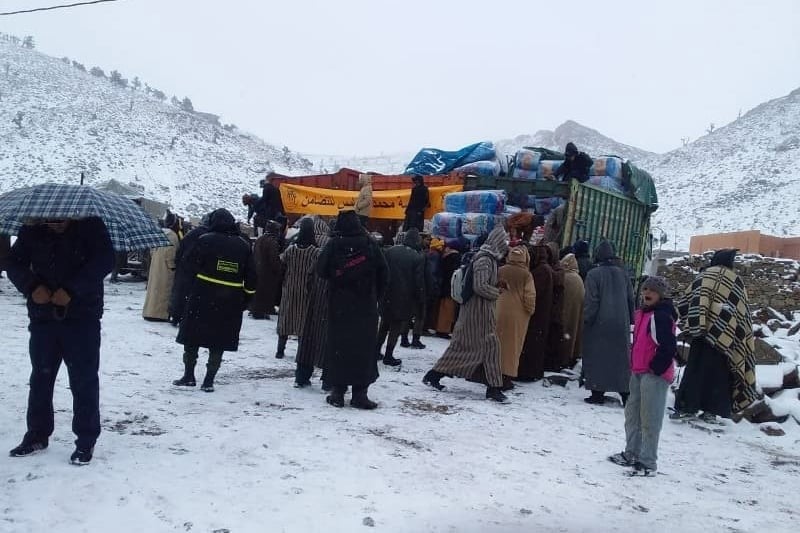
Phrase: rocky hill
{"type": "Point", "coordinates": [745, 175]}
{"type": "Point", "coordinates": [588, 140]}
{"type": "Point", "coordinates": [58, 119]}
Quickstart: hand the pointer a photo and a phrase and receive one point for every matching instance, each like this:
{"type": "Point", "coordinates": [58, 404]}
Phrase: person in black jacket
{"type": "Point", "coordinates": [357, 275]}
{"type": "Point", "coordinates": [576, 166]}
{"type": "Point", "coordinates": [271, 196]}
{"type": "Point", "coordinates": [581, 251]}
{"type": "Point", "coordinates": [417, 204]}
{"type": "Point", "coordinates": [256, 211]}
{"type": "Point", "coordinates": [5, 249]}
{"type": "Point", "coordinates": [404, 295]}
{"type": "Point", "coordinates": [59, 265]}
{"type": "Point", "coordinates": [223, 279]}
{"type": "Point", "coordinates": [183, 274]}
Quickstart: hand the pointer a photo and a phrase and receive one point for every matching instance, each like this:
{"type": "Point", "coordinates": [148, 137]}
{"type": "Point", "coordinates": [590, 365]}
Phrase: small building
{"type": "Point", "coordinates": [748, 242]}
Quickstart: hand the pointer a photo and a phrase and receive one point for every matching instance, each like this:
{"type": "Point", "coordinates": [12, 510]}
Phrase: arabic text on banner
{"type": "Point", "coordinates": [299, 199]}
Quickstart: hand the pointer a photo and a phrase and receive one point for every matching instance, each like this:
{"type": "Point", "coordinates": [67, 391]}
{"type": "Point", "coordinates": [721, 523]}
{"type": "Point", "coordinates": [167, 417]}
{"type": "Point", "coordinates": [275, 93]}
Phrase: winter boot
{"type": "Point", "coordinates": [416, 344]}
{"type": "Point", "coordinates": [404, 341]}
{"type": "Point", "coordinates": [28, 446]}
{"type": "Point", "coordinates": [597, 398]}
{"type": "Point", "coordinates": [188, 379]}
{"type": "Point", "coordinates": [336, 397]}
{"type": "Point", "coordinates": [495, 394]}
{"type": "Point", "coordinates": [81, 457]}
{"type": "Point", "coordinates": [432, 379]}
{"type": "Point", "coordinates": [507, 384]}
{"type": "Point", "coordinates": [281, 353]}
{"type": "Point", "coordinates": [640, 470]}
{"type": "Point", "coordinates": [389, 359]}
{"type": "Point", "coordinates": [360, 399]}
{"type": "Point", "coordinates": [214, 362]}
{"type": "Point", "coordinates": [622, 459]}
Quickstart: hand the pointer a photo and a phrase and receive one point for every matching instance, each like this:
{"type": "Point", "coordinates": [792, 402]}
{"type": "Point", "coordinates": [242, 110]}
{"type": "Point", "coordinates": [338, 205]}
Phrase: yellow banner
{"type": "Point", "coordinates": [391, 205]}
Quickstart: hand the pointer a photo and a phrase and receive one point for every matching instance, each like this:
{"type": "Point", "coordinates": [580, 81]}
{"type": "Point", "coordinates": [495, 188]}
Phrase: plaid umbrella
{"type": "Point", "coordinates": [129, 226]}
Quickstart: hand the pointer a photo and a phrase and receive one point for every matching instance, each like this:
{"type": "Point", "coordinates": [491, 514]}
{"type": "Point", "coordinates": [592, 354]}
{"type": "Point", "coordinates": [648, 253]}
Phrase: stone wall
{"type": "Point", "coordinates": [770, 282]}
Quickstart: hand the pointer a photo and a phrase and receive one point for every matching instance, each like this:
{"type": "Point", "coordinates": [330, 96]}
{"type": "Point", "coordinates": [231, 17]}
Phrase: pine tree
{"type": "Point", "coordinates": [28, 42]}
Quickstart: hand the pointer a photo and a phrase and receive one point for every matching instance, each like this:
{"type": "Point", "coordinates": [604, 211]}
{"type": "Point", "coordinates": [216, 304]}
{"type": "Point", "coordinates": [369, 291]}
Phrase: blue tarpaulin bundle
{"type": "Point", "coordinates": [544, 206]}
{"type": "Point", "coordinates": [431, 161]}
{"type": "Point", "coordinates": [608, 183]}
{"type": "Point", "coordinates": [490, 202]}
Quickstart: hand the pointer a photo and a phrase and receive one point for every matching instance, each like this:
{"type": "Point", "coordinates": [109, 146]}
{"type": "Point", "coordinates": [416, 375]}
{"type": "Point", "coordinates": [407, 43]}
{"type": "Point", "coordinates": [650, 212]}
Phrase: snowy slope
{"type": "Point", "coordinates": [258, 455]}
{"type": "Point", "coordinates": [73, 121]}
{"type": "Point", "coordinates": [745, 175]}
{"type": "Point", "coordinates": [587, 139]}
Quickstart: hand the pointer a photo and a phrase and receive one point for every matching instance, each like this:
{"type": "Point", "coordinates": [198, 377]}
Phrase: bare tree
{"type": "Point", "coordinates": [136, 83]}
{"type": "Point", "coordinates": [710, 129]}
{"type": "Point", "coordinates": [685, 141]}
{"type": "Point", "coordinates": [28, 42]}
{"type": "Point", "coordinates": [18, 119]}
{"type": "Point", "coordinates": [6, 67]}
{"type": "Point", "coordinates": [174, 140]}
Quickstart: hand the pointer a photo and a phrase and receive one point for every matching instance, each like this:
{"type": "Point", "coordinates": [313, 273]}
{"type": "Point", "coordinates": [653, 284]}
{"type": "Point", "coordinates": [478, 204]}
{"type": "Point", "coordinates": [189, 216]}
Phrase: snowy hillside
{"type": "Point", "coordinates": [745, 175]}
{"type": "Point", "coordinates": [588, 140]}
{"type": "Point", "coordinates": [57, 120]}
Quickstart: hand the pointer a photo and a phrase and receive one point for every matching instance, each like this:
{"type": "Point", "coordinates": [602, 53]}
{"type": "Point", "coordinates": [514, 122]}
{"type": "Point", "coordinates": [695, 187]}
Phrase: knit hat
{"type": "Point", "coordinates": [658, 285]}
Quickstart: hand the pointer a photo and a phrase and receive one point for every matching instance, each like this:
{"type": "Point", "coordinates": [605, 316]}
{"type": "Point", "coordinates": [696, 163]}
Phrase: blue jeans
{"type": "Point", "coordinates": [644, 415]}
{"type": "Point", "coordinates": [77, 343]}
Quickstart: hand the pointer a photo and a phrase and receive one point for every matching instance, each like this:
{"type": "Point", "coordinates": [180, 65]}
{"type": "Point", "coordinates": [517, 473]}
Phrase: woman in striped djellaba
{"type": "Point", "coordinates": [311, 345]}
{"type": "Point", "coordinates": [299, 261]}
{"type": "Point", "coordinates": [474, 352]}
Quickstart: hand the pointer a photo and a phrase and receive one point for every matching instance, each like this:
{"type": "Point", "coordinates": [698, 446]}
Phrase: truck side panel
{"type": "Point", "coordinates": [594, 214]}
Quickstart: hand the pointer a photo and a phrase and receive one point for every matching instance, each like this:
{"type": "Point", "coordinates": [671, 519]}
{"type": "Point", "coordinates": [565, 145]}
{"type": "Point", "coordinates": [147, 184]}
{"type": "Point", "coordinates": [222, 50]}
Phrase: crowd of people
{"type": "Point", "coordinates": [511, 308]}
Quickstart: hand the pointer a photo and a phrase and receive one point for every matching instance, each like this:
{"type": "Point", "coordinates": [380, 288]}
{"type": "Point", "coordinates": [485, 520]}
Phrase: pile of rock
{"type": "Point", "coordinates": [770, 282]}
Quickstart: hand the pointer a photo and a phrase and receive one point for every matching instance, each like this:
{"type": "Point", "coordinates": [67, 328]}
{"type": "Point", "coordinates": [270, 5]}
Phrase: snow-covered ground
{"type": "Point", "coordinates": [258, 455]}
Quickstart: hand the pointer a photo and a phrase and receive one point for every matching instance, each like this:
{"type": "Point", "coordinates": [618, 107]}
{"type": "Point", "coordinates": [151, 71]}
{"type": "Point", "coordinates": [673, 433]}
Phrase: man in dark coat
{"type": "Point", "coordinates": [608, 311]}
{"type": "Point", "coordinates": [183, 274]}
{"type": "Point", "coordinates": [356, 270]}
{"type": "Point", "coordinates": [532, 359]}
{"type": "Point", "coordinates": [271, 196]}
{"type": "Point", "coordinates": [417, 204]}
{"type": "Point", "coordinates": [581, 251]}
{"type": "Point", "coordinates": [5, 249]}
{"type": "Point", "coordinates": [256, 207]}
{"type": "Point", "coordinates": [419, 316]}
{"type": "Point", "coordinates": [60, 266]}
{"type": "Point", "coordinates": [267, 256]}
{"type": "Point", "coordinates": [577, 165]}
{"type": "Point", "coordinates": [405, 294]}
{"type": "Point", "coordinates": [223, 280]}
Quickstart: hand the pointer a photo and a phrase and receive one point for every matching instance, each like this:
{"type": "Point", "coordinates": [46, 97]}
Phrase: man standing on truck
{"type": "Point", "coordinates": [576, 166]}
{"type": "Point", "coordinates": [417, 204]}
{"type": "Point", "coordinates": [271, 196]}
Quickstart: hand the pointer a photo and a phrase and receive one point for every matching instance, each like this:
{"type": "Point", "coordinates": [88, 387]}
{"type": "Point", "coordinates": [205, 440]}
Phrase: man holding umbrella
{"type": "Point", "coordinates": [66, 237]}
{"type": "Point", "coordinates": [60, 264]}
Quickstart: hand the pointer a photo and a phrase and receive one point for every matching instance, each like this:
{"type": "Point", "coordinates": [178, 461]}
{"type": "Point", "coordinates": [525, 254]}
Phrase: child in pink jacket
{"type": "Point", "coordinates": [652, 371]}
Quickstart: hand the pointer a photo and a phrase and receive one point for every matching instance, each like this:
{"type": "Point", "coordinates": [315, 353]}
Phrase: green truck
{"type": "Point", "coordinates": [594, 213]}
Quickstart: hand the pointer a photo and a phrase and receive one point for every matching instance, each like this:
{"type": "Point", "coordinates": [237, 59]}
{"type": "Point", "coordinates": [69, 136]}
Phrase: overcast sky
{"type": "Point", "coordinates": [379, 76]}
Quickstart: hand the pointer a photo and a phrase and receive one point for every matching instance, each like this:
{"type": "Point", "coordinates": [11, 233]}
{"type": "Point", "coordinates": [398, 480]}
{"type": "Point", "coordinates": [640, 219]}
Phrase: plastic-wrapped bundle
{"type": "Point", "coordinates": [477, 223]}
{"type": "Point", "coordinates": [527, 160]}
{"type": "Point", "coordinates": [545, 205]}
{"type": "Point", "coordinates": [607, 166]}
{"type": "Point", "coordinates": [525, 174]}
{"type": "Point", "coordinates": [481, 168]}
{"type": "Point", "coordinates": [492, 202]}
{"type": "Point", "coordinates": [446, 225]}
{"type": "Point", "coordinates": [608, 183]}
{"type": "Point", "coordinates": [547, 169]}
{"type": "Point", "coordinates": [512, 210]}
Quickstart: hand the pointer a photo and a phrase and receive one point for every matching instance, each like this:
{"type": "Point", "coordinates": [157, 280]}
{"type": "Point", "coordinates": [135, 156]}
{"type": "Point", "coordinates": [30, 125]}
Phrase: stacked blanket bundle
{"type": "Point", "coordinates": [547, 169]}
{"type": "Point", "coordinates": [481, 168]}
{"type": "Point", "coordinates": [447, 225]}
{"type": "Point", "coordinates": [608, 183]}
{"type": "Point", "coordinates": [610, 166]}
{"type": "Point", "coordinates": [490, 202]}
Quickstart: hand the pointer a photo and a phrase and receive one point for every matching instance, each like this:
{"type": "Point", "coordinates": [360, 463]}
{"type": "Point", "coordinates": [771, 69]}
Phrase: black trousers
{"type": "Point", "coordinates": [190, 354]}
{"type": "Point", "coordinates": [391, 329]}
{"type": "Point", "coordinates": [418, 323]}
{"type": "Point", "coordinates": [706, 382]}
{"type": "Point", "coordinates": [77, 343]}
